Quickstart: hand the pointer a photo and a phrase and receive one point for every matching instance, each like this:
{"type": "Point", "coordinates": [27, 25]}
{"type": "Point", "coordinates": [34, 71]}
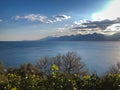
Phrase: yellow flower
{"type": "Point", "coordinates": [69, 80]}
{"type": "Point", "coordinates": [54, 67]}
{"type": "Point", "coordinates": [86, 77]}
{"type": "Point", "coordinates": [75, 75]}
{"type": "Point", "coordinates": [119, 75]}
{"type": "Point", "coordinates": [53, 73]}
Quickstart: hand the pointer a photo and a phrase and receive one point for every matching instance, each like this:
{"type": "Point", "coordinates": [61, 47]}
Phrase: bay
{"type": "Point", "coordinates": [97, 55]}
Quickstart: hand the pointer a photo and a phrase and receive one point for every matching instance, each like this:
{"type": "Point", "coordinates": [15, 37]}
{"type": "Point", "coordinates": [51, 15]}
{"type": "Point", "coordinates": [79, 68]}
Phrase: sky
{"type": "Point", "coordinates": [37, 19]}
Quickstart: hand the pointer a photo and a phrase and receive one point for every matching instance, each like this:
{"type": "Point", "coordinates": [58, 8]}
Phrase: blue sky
{"type": "Point", "coordinates": [36, 19]}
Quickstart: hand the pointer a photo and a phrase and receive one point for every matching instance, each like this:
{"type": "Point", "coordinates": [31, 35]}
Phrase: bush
{"type": "Point", "coordinates": [58, 81]}
{"type": "Point", "coordinates": [114, 69]}
{"type": "Point", "coordinates": [69, 63]}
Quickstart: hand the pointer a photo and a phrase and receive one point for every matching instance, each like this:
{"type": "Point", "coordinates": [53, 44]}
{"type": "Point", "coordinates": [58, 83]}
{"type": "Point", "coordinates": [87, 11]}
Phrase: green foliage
{"type": "Point", "coordinates": [112, 81]}
{"type": "Point", "coordinates": [2, 68]}
{"type": "Point", "coordinates": [27, 77]}
{"type": "Point", "coordinates": [58, 81]}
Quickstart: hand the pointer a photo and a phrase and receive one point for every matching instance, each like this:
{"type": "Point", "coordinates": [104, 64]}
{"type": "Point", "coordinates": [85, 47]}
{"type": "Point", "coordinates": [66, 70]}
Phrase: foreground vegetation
{"type": "Point", "coordinates": [62, 72]}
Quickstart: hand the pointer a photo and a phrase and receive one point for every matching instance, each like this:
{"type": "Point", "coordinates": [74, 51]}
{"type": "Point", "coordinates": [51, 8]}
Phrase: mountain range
{"type": "Point", "coordinates": [85, 37]}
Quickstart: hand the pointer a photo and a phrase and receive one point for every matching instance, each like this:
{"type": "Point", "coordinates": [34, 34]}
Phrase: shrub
{"type": "Point", "coordinates": [69, 63]}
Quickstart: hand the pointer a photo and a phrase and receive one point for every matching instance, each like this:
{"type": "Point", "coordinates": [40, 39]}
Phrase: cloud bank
{"type": "Point", "coordinates": [102, 26]}
{"type": "Point", "coordinates": [81, 26]}
{"type": "Point", "coordinates": [43, 19]}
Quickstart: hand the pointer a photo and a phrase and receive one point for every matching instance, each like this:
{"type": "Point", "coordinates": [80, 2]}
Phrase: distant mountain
{"type": "Point", "coordinates": [48, 38]}
{"type": "Point", "coordinates": [86, 37]}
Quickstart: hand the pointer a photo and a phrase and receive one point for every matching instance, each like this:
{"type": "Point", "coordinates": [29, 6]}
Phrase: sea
{"type": "Point", "coordinates": [98, 56]}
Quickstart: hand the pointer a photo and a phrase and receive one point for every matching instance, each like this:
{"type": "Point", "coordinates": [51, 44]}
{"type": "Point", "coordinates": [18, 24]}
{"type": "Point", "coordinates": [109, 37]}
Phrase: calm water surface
{"type": "Point", "coordinates": [98, 56]}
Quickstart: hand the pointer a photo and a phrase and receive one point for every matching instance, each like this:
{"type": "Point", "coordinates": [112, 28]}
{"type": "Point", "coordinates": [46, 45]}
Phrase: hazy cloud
{"type": "Point", "coordinates": [61, 30]}
{"type": "Point", "coordinates": [33, 17]}
{"type": "Point", "coordinates": [17, 17]}
{"type": "Point", "coordinates": [1, 20]}
{"type": "Point", "coordinates": [43, 19]}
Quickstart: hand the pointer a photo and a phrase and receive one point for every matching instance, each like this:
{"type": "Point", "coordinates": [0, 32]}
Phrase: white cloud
{"type": "Point", "coordinates": [43, 19]}
{"type": "Point", "coordinates": [61, 17]}
{"type": "Point", "coordinates": [81, 21]}
{"type": "Point", "coordinates": [33, 17]}
{"type": "Point", "coordinates": [114, 28]}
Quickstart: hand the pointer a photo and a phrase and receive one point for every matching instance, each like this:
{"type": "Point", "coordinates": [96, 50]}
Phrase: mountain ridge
{"type": "Point", "coordinates": [85, 37]}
